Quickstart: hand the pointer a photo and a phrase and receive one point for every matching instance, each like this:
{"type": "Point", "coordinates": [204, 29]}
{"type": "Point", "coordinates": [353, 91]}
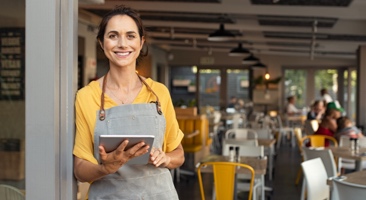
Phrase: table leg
{"type": "Point", "coordinates": [358, 164]}
{"type": "Point", "coordinates": [270, 162]}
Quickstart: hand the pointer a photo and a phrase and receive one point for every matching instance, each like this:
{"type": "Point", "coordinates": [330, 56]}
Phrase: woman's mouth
{"type": "Point", "coordinates": [123, 53]}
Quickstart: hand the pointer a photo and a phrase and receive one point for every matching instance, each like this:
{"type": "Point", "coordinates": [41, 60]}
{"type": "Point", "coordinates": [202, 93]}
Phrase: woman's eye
{"type": "Point", "coordinates": [112, 36]}
{"type": "Point", "coordinates": [131, 36]}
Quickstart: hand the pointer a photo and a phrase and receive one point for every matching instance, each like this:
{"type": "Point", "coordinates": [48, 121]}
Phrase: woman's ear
{"type": "Point", "coordinates": [101, 44]}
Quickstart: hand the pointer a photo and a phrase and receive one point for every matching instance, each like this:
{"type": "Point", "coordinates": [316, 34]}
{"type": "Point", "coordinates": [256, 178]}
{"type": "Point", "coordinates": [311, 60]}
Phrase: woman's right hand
{"type": "Point", "coordinates": [112, 161]}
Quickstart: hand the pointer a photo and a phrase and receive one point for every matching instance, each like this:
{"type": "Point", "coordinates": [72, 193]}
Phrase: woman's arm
{"type": "Point", "coordinates": [332, 125]}
{"type": "Point", "coordinates": [86, 171]}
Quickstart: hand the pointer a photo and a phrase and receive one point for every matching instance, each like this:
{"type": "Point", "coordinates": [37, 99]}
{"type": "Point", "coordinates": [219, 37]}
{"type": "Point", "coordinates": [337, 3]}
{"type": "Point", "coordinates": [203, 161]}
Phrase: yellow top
{"type": "Point", "coordinates": [87, 104]}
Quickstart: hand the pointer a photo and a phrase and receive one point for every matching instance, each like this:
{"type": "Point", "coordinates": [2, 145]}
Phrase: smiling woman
{"type": "Point", "coordinates": [126, 104]}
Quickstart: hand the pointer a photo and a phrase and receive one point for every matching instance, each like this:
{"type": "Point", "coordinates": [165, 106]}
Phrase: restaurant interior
{"type": "Point", "coordinates": [230, 67]}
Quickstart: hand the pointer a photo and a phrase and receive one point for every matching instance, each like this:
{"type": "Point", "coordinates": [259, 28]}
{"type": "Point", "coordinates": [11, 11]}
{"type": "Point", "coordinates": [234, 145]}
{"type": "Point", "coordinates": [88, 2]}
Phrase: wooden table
{"type": "Point", "coordinates": [346, 152]}
{"type": "Point", "coordinates": [258, 164]}
{"type": "Point", "coordinates": [269, 144]}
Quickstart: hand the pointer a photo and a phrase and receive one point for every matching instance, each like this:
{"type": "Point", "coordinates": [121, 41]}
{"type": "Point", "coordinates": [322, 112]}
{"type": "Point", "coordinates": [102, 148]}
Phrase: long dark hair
{"type": "Point", "coordinates": [123, 10]}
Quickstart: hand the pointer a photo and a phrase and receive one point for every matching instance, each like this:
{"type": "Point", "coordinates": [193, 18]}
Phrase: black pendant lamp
{"type": "Point", "coordinates": [258, 65]}
{"type": "Point", "coordinates": [239, 51]}
{"type": "Point", "coordinates": [250, 60]}
{"type": "Point", "coordinates": [221, 35]}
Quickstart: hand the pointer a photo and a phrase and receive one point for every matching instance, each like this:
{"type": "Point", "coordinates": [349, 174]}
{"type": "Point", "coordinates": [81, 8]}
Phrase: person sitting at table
{"type": "Point", "coordinates": [233, 102]}
{"type": "Point", "coordinates": [290, 107]}
{"type": "Point", "coordinates": [347, 127]}
{"type": "Point", "coordinates": [317, 110]}
{"type": "Point", "coordinates": [328, 125]}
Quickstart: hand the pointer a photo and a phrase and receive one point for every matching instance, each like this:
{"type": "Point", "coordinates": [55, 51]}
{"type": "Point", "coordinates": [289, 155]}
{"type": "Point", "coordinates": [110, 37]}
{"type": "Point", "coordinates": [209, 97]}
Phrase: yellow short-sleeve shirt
{"type": "Point", "coordinates": [87, 105]}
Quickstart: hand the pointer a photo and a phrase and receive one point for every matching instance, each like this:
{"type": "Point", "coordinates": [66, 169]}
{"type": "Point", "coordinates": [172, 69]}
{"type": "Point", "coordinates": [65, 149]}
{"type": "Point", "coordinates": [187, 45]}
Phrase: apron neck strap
{"type": "Point", "coordinates": [157, 102]}
{"type": "Point", "coordinates": [102, 111]}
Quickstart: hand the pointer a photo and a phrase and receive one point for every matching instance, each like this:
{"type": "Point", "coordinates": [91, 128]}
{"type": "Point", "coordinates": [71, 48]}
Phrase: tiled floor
{"type": "Point", "coordinates": [287, 164]}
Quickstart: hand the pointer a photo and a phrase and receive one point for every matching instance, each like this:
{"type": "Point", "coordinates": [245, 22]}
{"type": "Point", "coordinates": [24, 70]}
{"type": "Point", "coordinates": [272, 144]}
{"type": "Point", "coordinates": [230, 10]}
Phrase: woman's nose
{"type": "Point", "coordinates": [121, 41]}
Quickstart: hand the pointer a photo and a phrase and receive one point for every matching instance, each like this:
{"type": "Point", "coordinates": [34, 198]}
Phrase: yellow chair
{"type": "Point", "coordinates": [224, 178]}
{"type": "Point", "coordinates": [298, 135]}
{"type": "Point", "coordinates": [318, 140]}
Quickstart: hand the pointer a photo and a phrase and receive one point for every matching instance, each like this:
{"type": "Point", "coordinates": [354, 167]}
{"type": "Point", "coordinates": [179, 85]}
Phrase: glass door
{"type": "Point", "coordinates": [209, 88]}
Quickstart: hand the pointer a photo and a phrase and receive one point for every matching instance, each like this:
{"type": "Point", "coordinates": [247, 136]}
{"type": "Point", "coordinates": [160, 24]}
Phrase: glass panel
{"type": "Point", "coordinates": [210, 82]}
{"type": "Point", "coordinates": [238, 84]}
{"type": "Point", "coordinates": [295, 85]}
{"type": "Point", "coordinates": [327, 79]}
{"type": "Point", "coordinates": [183, 86]}
{"type": "Point", "coordinates": [12, 93]}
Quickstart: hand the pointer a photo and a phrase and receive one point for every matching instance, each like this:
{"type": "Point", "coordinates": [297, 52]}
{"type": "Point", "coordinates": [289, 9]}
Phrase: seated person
{"type": "Point", "coordinates": [328, 125]}
{"type": "Point", "coordinates": [290, 107]}
{"type": "Point", "coordinates": [346, 127]}
{"type": "Point", "coordinates": [233, 102]}
{"type": "Point", "coordinates": [317, 110]}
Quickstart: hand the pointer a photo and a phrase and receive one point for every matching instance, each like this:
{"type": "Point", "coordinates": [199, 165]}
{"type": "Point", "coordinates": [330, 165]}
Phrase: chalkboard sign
{"type": "Point", "coordinates": [12, 57]}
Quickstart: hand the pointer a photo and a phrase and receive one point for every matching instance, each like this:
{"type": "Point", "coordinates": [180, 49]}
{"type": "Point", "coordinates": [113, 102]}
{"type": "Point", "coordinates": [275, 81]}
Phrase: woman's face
{"type": "Point", "coordinates": [337, 114]}
{"type": "Point", "coordinates": [122, 42]}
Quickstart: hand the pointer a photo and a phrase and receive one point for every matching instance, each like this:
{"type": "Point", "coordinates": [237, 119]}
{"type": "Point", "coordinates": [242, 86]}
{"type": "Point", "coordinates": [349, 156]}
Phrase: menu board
{"type": "Point", "coordinates": [12, 57]}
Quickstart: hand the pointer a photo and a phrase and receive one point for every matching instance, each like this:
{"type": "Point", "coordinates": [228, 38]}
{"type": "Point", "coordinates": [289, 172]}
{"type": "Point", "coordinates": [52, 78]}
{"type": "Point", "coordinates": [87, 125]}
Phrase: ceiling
{"type": "Point", "coordinates": [313, 28]}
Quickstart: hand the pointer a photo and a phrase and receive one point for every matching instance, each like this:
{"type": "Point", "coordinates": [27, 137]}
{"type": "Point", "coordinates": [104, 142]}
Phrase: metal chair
{"type": "Point", "coordinates": [224, 179]}
{"type": "Point", "coordinates": [310, 126]}
{"type": "Point", "coordinates": [241, 133]}
{"type": "Point", "coordinates": [327, 158]}
{"type": "Point", "coordinates": [316, 179]}
{"type": "Point", "coordinates": [344, 190]}
{"type": "Point", "coordinates": [8, 192]}
{"type": "Point", "coordinates": [250, 151]}
{"type": "Point", "coordinates": [283, 131]}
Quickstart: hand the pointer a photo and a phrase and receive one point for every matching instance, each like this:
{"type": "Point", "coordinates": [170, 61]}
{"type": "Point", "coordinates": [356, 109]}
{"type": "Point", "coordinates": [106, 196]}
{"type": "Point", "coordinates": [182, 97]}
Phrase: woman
{"type": "Point", "coordinates": [317, 110]}
{"type": "Point", "coordinates": [290, 107]}
{"type": "Point", "coordinates": [328, 125]}
{"type": "Point", "coordinates": [123, 102]}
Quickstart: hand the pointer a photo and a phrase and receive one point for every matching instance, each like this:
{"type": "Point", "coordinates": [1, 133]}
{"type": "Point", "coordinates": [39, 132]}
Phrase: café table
{"type": "Point", "coordinates": [346, 152]}
{"type": "Point", "coordinates": [358, 177]}
{"type": "Point", "coordinates": [258, 164]}
{"type": "Point", "coordinates": [268, 144]}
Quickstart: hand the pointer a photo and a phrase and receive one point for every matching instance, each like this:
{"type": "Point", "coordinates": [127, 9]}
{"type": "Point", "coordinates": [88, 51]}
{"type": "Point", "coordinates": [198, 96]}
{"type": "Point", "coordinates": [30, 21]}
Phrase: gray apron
{"type": "Point", "coordinates": [133, 181]}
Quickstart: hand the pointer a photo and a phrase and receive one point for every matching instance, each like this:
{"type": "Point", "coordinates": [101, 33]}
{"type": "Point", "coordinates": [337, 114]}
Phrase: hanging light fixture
{"type": "Point", "coordinates": [250, 60]}
{"type": "Point", "coordinates": [258, 65]}
{"type": "Point", "coordinates": [221, 35]}
{"type": "Point", "coordinates": [239, 51]}
{"type": "Point", "coordinates": [266, 75]}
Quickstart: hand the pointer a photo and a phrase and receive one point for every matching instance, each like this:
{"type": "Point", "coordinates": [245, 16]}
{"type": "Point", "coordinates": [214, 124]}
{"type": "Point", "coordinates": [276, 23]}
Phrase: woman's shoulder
{"type": "Point", "coordinates": [156, 86]}
{"type": "Point", "coordinates": [92, 89]}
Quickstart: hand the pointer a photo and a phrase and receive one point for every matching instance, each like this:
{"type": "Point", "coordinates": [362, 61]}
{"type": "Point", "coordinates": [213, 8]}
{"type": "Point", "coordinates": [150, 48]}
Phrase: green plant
{"type": "Point", "coordinates": [260, 80]}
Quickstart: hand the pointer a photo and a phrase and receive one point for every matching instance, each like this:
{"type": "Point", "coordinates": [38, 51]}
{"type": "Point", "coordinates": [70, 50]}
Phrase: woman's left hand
{"type": "Point", "coordinates": [158, 158]}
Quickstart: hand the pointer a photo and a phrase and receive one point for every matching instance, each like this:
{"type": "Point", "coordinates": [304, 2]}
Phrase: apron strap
{"type": "Point", "coordinates": [157, 102]}
{"type": "Point", "coordinates": [102, 111]}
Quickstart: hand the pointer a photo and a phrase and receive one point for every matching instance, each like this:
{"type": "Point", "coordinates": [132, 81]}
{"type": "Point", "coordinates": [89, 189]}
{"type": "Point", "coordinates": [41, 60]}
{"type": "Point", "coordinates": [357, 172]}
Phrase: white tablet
{"type": "Point", "coordinates": [111, 142]}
